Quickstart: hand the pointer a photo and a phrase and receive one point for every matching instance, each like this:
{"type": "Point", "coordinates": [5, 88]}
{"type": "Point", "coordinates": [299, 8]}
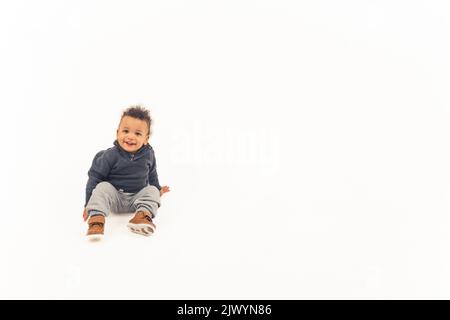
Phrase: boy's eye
{"type": "Point", "coordinates": [125, 131]}
{"type": "Point", "coordinates": [138, 134]}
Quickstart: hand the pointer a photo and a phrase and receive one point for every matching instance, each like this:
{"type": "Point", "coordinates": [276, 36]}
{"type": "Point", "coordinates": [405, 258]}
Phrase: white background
{"type": "Point", "coordinates": [306, 145]}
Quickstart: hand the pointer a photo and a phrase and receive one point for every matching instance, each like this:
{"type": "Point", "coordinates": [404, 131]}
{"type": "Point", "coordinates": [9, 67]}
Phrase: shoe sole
{"type": "Point", "coordinates": [143, 229]}
{"type": "Point", "coordinates": [94, 237]}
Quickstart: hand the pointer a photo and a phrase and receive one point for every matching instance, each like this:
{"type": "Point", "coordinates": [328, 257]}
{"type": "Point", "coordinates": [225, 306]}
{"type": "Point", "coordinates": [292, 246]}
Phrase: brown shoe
{"type": "Point", "coordinates": [142, 224]}
{"type": "Point", "coordinates": [96, 227]}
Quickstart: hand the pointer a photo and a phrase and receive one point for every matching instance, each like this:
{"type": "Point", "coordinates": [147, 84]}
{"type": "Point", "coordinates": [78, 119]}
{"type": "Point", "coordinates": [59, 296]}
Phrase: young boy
{"type": "Point", "coordinates": [123, 178]}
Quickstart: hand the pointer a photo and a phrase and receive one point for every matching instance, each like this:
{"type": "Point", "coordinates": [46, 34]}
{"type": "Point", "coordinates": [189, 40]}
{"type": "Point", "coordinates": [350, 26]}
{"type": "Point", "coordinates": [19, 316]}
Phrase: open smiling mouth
{"type": "Point", "coordinates": [129, 144]}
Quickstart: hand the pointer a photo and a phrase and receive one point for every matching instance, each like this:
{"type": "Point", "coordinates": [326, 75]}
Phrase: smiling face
{"type": "Point", "coordinates": [132, 134]}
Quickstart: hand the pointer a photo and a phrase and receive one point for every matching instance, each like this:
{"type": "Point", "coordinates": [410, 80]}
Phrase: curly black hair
{"type": "Point", "coordinates": [138, 112]}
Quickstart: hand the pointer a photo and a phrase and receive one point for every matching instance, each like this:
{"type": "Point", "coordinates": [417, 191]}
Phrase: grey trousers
{"type": "Point", "coordinates": [106, 198]}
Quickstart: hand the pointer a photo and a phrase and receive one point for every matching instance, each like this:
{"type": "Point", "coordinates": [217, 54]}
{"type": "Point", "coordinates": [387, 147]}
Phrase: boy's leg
{"type": "Point", "coordinates": [104, 199]}
{"type": "Point", "coordinates": [145, 203]}
{"type": "Point", "coordinates": [147, 200]}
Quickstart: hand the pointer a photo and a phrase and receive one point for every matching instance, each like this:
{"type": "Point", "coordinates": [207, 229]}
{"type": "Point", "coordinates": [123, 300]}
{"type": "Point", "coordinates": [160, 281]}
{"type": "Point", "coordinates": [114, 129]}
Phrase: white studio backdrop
{"type": "Point", "coordinates": [305, 143]}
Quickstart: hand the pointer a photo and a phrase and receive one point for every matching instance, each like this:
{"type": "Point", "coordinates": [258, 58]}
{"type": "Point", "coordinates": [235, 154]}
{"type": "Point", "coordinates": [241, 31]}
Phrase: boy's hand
{"type": "Point", "coordinates": [85, 214]}
{"type": "Point", "coordinates": [164, 189]}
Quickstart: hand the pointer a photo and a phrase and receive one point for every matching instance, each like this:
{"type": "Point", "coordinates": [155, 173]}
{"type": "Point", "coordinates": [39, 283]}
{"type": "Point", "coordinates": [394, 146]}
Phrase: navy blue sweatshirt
{"type": "Point", "coordinates": [129, 172]}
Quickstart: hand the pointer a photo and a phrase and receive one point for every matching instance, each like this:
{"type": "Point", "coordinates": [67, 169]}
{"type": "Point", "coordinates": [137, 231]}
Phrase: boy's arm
{"type": "Point", "coordinates": [153, 175]}
{"type": "Point", "coordinates": [153, 179]}
{"type": "Point", "coordinates": [98, 172]}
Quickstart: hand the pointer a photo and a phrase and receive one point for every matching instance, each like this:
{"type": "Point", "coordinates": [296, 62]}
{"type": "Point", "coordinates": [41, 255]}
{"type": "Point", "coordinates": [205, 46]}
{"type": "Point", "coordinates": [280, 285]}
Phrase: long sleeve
{"type": "Point", "coordinates": [98, 172]}
{"type": "Point", "coordinates": [153, 175]}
